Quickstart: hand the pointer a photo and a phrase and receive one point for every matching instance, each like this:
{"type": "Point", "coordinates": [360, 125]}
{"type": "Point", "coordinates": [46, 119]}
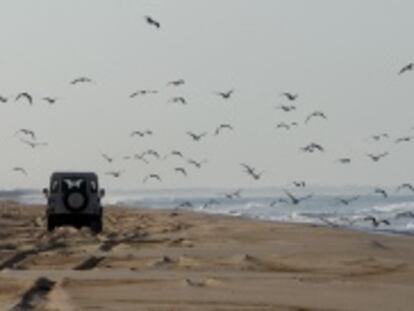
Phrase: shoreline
{"type": "Point", "coordinates": [148, 259]}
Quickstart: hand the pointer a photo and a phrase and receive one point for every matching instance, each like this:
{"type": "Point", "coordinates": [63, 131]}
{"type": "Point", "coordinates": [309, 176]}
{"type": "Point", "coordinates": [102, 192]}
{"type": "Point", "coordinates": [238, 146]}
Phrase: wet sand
{"type": "Point", "coordinates": [179, 260]}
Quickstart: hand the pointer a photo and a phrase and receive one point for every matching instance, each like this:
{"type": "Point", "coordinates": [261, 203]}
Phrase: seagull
{"type": "Point", "coordinates": [286, 108]}
{"type": "Point", "coordinates": [176, 82]}
{"type": "Point", "coordinates": [32, 143]}
{"type": "Point", "coordinates": [252, 171]}
{"type": "Point", "coordinates": [379, 136]}
{"type": "Point", "coordinates": [234, 194]}
{"type": "Point", "coordinates": [381, 191]}
{"type": "Point", "coordinates": [174, 153]}
{"type": "Point", "coordinates": [280, 200]}
{"type": "Point", "coordinates": [347, 201]}
{"type": "Point", "coordinates": [299, 184]}
{"type": "Point", "coordinates": [115, 174]}
{"type": "Point", "coordinates": [294, 200]}
{"type": "Point", "coordinates": [50, 100]}
{"type": "Point", "coordinates": [142, 92]}
{"type": "Point", "coordinates": [152, 21]}
{"type": "Point", "coordinates": [283, 125]}
{"type": "Point", "coordinates": [81, 80]}
{"type": "Point", "coordinates": [196, 163]}
{"type": "Point", "coordinates": [25, 95]}
{"type": "Point", "coordinates": [210, 202]}
{"type": "Point", "coordinates": [151, 176]}
{"type": "Point", "coordinates": [403, 139]}
{"type": "Point", "coordinates": [344, 160]}
{"type": "Point", "coordinates": [181, 170]}
{"type": "Point", "coordinates": [407, 214]}
{"type": "Point", "coordinates": [107, 158]}
{"type": "Point", "coordinates": [196, 137]}
{"type": "Point", "coordinates": [178, 100]}
{"type": "Point", "coordinates": [153, 153]}
{"type": "Point", "coordinates": [141, 157]}
{"type": "Point", "coordinates": [407, 67]}
{"type": "Point", "coordinates": [221, 127]}
{"type": "Point", "coordinates": [377, 157]}
{"type": "Point", "coordinates": [376, 222]}
{"type": "Point", "coordinates": [290, 96]}
{"type": "Point", "coordinates": [20, 169]}
{"type": "Point", "coordinates": [225, 95]}
{"type": "Point", "coordinates": [141, 134]}
{"type": "Point", "coordinates": [316, 114]}
{"type": "Point", "coordinates": [185, 204]}
{"type": "Point", "coordinates": [312, 147]}
{"type": "Point", "coordinates": [405, 186]}
{"type": "Point", "coordinates": [27, 132]}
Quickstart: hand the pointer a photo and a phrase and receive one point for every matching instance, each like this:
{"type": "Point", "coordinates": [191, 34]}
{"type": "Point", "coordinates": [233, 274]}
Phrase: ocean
{"type": "Point", "coordinates": [323, 207]}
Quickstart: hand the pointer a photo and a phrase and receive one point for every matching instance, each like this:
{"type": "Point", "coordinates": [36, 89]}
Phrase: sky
{"type": "Point", "coordinates": [341, 57]}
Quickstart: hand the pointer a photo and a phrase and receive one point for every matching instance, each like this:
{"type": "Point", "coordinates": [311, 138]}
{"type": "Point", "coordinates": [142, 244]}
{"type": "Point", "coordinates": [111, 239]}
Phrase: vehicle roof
{"type": "Point", "coordinates": [90, 175]}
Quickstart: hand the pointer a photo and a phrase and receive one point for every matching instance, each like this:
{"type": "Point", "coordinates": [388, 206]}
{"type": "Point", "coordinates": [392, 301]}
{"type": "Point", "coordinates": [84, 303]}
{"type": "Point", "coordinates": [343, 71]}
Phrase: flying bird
{"type": "Point", "coordinates": [197, 164]}
{"type": "Point", "coordinates": [295, 200]}
{"type": "Point", "coordinates": [209, 203]}
{"type": "Point", "coordinates": [408, 67]}
{"type": "Point", "coordinates": [277, 201]}
{"type": "Point", "coordinates": [181, 170]}
{"type": "Point", "coordinates": [283, 125]}
{"type": "Point", "coordinates": [376, 222]}
{"type": "Point", "coordinates": [33, 144]}
{"type": "Point", "coordinates": [26, 96]}
{"type": "Point", "coordinates": [27, 132]}
{"type": "Point", "coordinates": [251, 171]}
{"type": "Point", "coordinates": [348, 200]}
{"type": "Point", "coordinates": [107, 158]}
{"type": "Point", "coordinates": [222, 127]}
{"type": "Point", "coordinates": [81, 80]}
{"type": "Point", "coordinates": [234, 194]}
{"type": "Point", "coordinates": [177, 100]}
{"type": "Point", "coordinates": [141, 157]}
{"type": "Point", "coordinates": [378, 137]}
{"type": "Point", "coordinates": [290, 96]}
{"type": "Point", "coordinates": [382, 192]}
{"type": "Point", "coordinates": [152, 176]}
{"type": "Point", "coordinates": [141, 133]}
{"type": "Point", "coordinates": [312, 147]}
{"type": "Point", "coordinates": [315, 114]}
{"type": "Point", "coordinates": [185, 204]}
{"type": "Point", "coordinates": [344, 160]}
{"type": "Point", "coordinates": [405, 186]}
{"type": "Point", "coordinates": [50, 100]}
{"type": "Point", "coordinates": [115, 174]}
{"type": "Point", "coordinates": [286, 108]}
{"type": "Point", "coordinates": [196, 137]}
{"type": "Point", "coordinates": [299, 184]}
{"type": "Point", "coordinates": [142, 92]}
{"type": "Point", "coordinates": [377, 157]}
{"type": "Point", "coordinates": [152, 21]}
{"type": "Point", "coordinates": [176, 82]}
{"type": "Point", "coordinates": [403, 139]}
{"type": "Point", "coordinates": [174, 153]}
{"type": "Point", "coordinates": [225, 95]}
{"type": "Point", "coordinates": [153, 153]}
{"type": "Point", "coordinates": [20, 169]}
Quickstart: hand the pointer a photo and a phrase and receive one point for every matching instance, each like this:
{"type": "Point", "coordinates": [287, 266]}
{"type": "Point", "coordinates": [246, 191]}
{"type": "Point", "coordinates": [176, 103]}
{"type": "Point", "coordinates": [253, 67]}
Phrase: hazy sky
{"type": "Point", "coordinates": [342, 57]}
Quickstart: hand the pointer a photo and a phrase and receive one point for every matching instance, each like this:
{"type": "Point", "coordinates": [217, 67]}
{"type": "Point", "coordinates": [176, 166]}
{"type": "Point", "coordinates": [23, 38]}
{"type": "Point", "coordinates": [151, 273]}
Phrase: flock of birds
{"type": "Point", "coordinates": [29, 137]}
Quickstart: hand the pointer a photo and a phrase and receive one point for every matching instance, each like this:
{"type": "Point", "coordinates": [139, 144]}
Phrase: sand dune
{"type": "Point", "coordinates": [164, 260]}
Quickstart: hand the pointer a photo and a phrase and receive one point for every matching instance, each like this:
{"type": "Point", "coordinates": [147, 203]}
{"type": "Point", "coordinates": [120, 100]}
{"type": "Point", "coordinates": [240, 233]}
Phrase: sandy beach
{"type": "Point", "coordinates": [179, 260]}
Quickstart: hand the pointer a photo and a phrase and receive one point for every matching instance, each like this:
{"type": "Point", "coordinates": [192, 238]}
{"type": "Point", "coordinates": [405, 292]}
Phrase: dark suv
{"type": "Point", "coordinates": [74, 198]}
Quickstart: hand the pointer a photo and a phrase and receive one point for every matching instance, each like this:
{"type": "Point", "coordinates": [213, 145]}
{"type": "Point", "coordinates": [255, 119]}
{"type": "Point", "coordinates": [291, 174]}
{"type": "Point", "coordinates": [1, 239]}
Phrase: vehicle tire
{"type": "Point", "coordinates": [96, 225]}
{"type": "Point", "coordinates": [50, 224]}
